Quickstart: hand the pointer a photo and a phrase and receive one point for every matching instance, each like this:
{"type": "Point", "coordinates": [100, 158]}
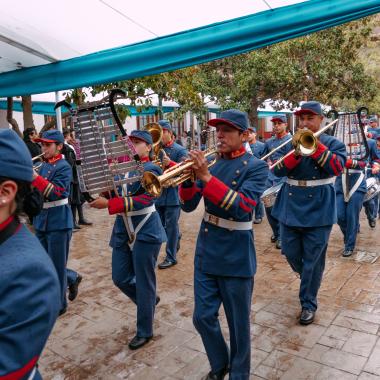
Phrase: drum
{"type": "Point", "coordinates": [373, 188]}
{"type": "Point", "coordinates": [269, 195]}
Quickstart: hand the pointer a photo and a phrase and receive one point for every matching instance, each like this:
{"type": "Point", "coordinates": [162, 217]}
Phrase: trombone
{"type": "Point", "coordinates": [307, 143]}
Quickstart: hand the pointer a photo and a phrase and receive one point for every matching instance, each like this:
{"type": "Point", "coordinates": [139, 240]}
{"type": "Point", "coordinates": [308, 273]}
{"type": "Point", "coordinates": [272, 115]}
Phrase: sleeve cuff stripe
{"type": "Point", "coordinates": [228, 195]}
{"type": "Point", "coordinates": [231, 201]}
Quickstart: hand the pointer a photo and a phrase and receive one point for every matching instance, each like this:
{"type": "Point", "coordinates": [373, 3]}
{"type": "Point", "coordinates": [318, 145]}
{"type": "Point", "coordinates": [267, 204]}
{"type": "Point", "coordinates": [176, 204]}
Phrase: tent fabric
{"type": "Point", "coordinates": [47, 108]}
{"type": "Point", "coordinates": [187, 48]}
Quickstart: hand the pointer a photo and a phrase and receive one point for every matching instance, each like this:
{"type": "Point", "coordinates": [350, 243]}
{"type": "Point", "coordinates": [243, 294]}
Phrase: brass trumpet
{"type": "Point", "coordinates": [173, 176]}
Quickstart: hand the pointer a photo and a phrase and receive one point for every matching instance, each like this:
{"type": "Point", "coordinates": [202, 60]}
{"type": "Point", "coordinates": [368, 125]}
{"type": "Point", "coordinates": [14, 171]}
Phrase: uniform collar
{"type": "Point", "coordinates": [4, 225]}
{"type": "Point", "coordinates": [281, 136]}
{"type": "Point", "coordinates": [235, 154]}
{"type": "Point", "coordinates": [145, 159]}
{"type": "Point", "coordinates": [169, 144]}
{"type": "Point", "coordinates": [55, 159]}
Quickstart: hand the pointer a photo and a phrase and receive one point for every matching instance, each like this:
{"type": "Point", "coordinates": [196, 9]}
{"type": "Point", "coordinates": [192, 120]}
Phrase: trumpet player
{"type": "Point", "coordinates": [168, 203]}
{"type": "Point", "coordinates": [225, 259]}
{"type": "Point", "coordinates": [306, 206]}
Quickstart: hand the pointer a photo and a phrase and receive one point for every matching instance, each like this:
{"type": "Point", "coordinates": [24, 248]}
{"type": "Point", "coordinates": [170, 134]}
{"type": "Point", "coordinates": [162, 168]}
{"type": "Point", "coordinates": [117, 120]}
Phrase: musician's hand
{"type": "Point", "coordinates": [200, 165]}
{"type": "Point", "coordinates": [165, 161]}
{"type": "Point", "coordinates": [35, 174]}
{"type": "Point", "coordinates": [375, 169]}
{"type": "Point", "coordinates": [99, 203]}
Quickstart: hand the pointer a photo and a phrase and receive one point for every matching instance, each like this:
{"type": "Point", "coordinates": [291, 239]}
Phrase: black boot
{"type": "Point", "coordinates": [82, 220]}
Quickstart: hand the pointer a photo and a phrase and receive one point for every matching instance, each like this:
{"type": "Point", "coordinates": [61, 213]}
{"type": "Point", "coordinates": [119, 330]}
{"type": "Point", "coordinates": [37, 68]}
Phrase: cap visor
{"type": "Point", "coordinates": [215, 122]}
{"type": "Point", "coordinates": [277, 119]}
{"type": "Point", "coordinates": [139, 139]}
{"type": "Point", "coordinates": [304, 111]}
{"type": "Point", "coordinates": [40, 139]}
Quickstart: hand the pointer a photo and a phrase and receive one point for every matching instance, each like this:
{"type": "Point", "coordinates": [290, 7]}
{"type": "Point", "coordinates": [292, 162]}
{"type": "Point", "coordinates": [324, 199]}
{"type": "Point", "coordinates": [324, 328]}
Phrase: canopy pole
{"type": "Point", "coordinates": [58, 112]}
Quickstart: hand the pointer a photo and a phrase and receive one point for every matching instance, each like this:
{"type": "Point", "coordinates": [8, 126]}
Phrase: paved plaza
{"type": "Point", "coordinates": [90, 340]}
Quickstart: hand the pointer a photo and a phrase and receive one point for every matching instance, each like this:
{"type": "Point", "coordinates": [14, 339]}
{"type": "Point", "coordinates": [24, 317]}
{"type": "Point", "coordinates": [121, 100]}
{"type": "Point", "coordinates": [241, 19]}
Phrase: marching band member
{"type": "Point", "coordinates": [167, 204]}
{"type": "Point", "coordinates": [306, 206]}
{"type": "Point", "coordinates": [54, 225]}
{"type": "Point", "coordinates": [29, 287]}
{"type": "Point", "coordinates": [373, 129]}
{"type": "Point", "coordinates": [280, 125]}
{"type": "Point", "coordinates": [134, 260]}
{"type": "Point", "coordinates": [371, 206]}
{"type": "Point", "coordinates": [225, 261]}
{"type": "Point", "coordinates": [348, 209]}
{"type": "Point", "coordinates": [257, 149]}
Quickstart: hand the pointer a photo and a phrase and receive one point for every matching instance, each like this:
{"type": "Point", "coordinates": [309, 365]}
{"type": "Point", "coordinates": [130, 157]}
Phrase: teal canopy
{"type": "Point", "coordinates": [186, 48]}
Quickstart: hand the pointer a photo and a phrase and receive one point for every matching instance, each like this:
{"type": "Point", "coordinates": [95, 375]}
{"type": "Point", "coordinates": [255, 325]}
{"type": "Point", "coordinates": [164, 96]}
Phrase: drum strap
{"type": "Point", "coordinates": [348, 194]}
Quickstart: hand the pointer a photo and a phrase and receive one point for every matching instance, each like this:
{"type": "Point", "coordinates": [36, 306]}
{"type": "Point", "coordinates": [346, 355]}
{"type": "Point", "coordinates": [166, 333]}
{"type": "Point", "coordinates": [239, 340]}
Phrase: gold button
{"type": "Point", "coordinates": [237, 171]}
{"type": "Point", "coordinates": [290, 193]}
{"type": "Point", "coordinates": [310, 196]}
{"type": "Point", "coordinates": [314, 177]}
{"type": "Point", "coordinates": [233, 183]}
{"type": "Point", "coordinates": [206, 229]}
{"type": "Point", "coordinates": [315, 168]}
{"type": "Point", "coordinates": [245, 162]}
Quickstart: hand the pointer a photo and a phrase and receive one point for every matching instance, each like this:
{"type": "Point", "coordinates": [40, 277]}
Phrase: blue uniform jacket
{"type": "Point", "coordinates": [232, 193]}
{"type": "Point", "coordinates": [54, 183]}
{"type": "Point", "coordinates": [152, 231]}
{"type": "Point", "coordinates": [373, 157]}
{"type": "Point", "coordinates": [257, 149]}
{"type": "Point", "coordinates": [269, 145]}
{"type": "Point", "coordinates": [375, 132]}
{"type": "Point", "coordinates": [29, 303]}
{"type": "Point", "coordinates": [298, 206]}
{"type": "Point", "coordinates": [169, 196]}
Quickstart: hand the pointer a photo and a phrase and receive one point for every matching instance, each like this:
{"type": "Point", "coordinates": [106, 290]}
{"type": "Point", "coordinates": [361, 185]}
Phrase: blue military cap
{"type": "Point", "coordinates": [234, 118]}
{"type": "Point", "coordinates": [252, 129]}
{"type": "Point", "coordinates": [165, 124]}
{"type": "Point", "coordinates": [142, 135]}
{"type": "Point", "coordinates": [312, 107]}
{"type": "Point", "coordinates": [280, 117]}
{"type": "Point", "coordinates": [373, 119]}
{"type": "Point", "coordinates": [51, 136]}
{"type": "Point", "coordinates": [15, 159]}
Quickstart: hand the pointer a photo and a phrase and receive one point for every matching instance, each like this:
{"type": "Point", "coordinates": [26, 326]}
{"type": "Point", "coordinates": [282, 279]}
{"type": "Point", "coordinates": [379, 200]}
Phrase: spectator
{"type": "Point", "coordinates": [29, 135]}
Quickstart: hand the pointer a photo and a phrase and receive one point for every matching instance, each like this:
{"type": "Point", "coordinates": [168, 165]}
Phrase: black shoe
{"type": "Point", "coordinates": [273, 239]}
{"type": "Point", "coordinates": [73, 288]}
{"type": "Point", "coordinates": [257, 221]}
{"type": "Point", "coordinates": [158, 299]}
{"type": "Point", "coordinates": [138, 342]}
{"type": "Point", "coordinates": [76, 227]}
{"type": "Point", "coordinates": [347, 253]}
{"type": "Point", "coordinates": [166, 264]}
{"type": "Point", "coordinates": [372, 223]}
{"type": "Point", "coordinates": [62, 311]}
{"type": "Point", "coordinates": [84, 223]}
{"type": "Point", "coordinates": [307, 317]}
{"type": "Point", "coordinates": [216, 375]}
{"type": "Point", "coordinates": [278, 244]}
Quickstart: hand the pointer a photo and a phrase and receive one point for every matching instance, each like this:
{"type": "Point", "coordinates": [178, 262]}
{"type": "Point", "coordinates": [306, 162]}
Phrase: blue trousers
{"type": "Point", "coordinates": [169, 216]}
{"type": "Point", "coordinates": [348, 217]}
{"type": "Point", "coordinates": [57, 245]}
{"type": "Point", "coordinates": [371, 208]}
{"type": "Point", "coordinates": [273, 222]}
{"type": "Point", "coordinates": [305, 249]}
{"type": "Point", "coordinates": [133, 272]}
{"type": "Point", "coordinates": [235, 293]}
{"type": "Point", "coordinates": [259, 210]}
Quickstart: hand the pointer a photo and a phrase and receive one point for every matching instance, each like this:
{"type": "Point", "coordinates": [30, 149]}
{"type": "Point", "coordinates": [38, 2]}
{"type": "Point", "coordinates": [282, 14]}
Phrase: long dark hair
{"type": "Point", "coordinates": [24, 191]}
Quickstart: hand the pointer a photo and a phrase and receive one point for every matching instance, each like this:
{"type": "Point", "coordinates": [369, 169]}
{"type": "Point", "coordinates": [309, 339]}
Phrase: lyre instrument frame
{"type": "Point", "coordinates": [107, 160]}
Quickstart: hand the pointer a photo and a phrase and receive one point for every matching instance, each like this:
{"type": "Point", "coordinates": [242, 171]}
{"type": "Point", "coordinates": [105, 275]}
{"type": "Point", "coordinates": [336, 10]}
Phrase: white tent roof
{"type": "Point", "coordinates": [39, 32]}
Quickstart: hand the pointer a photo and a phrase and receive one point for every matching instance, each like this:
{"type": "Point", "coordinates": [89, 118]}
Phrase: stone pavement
{"type": "Point", "coordinates": [90, 340]}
